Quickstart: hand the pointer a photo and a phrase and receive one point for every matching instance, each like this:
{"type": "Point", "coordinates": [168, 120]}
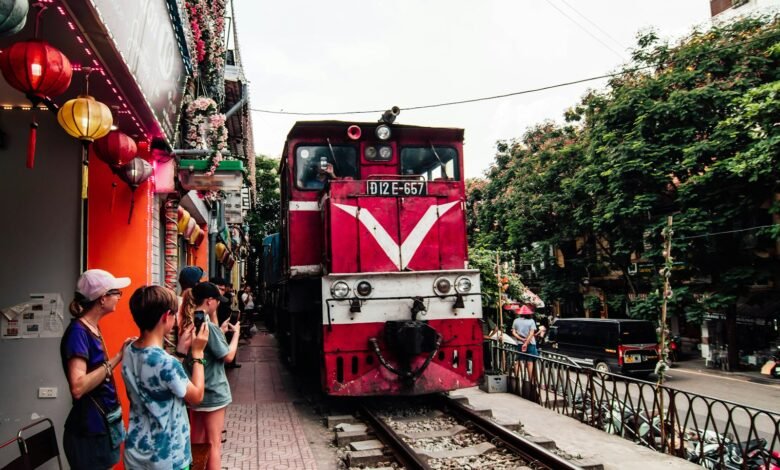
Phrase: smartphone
{"type": "Point", "coordinates": [199, 318]}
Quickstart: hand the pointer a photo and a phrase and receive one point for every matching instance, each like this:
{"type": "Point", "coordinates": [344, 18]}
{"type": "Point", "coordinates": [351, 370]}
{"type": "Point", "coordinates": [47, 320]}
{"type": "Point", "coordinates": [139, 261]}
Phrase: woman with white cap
{"type": "Point", "coordinates": [94, 428]}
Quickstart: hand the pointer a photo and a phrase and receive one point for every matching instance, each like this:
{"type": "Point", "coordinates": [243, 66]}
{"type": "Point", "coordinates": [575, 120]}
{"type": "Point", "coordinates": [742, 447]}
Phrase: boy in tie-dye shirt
{"type": "Point", "coordinates": [157, 386]}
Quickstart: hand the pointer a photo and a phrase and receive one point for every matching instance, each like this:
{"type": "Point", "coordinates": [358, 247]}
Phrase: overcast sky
{"type": "Point", "coordinates": [313, 56]}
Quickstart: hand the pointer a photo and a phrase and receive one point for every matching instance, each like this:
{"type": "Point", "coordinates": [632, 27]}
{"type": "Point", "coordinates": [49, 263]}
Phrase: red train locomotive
{"type": "Point", "coordinates": [372, 257]}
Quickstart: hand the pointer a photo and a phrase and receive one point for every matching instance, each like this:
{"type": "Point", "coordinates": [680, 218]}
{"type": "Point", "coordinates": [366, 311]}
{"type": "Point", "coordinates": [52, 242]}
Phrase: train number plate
{"type": "Point", "coordinates": [396, 188]}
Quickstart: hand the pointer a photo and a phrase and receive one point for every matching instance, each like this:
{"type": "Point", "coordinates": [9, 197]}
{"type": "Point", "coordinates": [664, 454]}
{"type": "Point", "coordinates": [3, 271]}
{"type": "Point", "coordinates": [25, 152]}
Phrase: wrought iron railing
{"type": "Point", "coordinates": [712, 432]}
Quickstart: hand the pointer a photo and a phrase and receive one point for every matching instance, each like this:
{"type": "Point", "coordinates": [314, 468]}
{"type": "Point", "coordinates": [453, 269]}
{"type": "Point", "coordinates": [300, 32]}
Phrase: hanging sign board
{"type": "Point", "coordinates": [233, 207]}
{"type": "Point", "coordinates": [144, 35]}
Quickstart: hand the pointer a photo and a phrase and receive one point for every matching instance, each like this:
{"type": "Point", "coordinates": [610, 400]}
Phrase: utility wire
{"type": "Point", "coordinates": [605, 33]}
{"type": "Point", "coordinates": [727, 232]}
{"type": "Point", "coordinates": [587, 31]}
{"type": "Point", "coordinates": [516, 93]}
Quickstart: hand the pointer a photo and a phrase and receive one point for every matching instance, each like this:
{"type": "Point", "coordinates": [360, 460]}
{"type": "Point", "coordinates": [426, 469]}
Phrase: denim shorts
{"type": "Point", "coordinates": [532, 353]}
{"type": "Point", "coordinates": [89, 452]}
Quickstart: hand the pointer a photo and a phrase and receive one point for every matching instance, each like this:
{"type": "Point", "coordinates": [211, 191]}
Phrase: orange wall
{"type": "Point", "coordinates": [201, 253]}
{"type": "Point", "coordinates": [120, 248]}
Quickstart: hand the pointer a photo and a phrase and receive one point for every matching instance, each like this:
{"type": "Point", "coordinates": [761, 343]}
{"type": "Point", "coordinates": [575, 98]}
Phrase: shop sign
{"type": "Point", "coordinates": [233, 207]}
{"type": "Point", "coordinates": [143, 33]}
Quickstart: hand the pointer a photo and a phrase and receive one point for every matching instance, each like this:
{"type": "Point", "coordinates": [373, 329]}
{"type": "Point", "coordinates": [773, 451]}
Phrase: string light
{"type": "Point", "coordinates": [97, 66]}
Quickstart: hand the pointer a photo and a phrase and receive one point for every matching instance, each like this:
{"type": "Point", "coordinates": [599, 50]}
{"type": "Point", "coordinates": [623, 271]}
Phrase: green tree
{"type": "Point", "coordinates": [688, 129]}
{"type": "Point", "coordinates": [264, 218]}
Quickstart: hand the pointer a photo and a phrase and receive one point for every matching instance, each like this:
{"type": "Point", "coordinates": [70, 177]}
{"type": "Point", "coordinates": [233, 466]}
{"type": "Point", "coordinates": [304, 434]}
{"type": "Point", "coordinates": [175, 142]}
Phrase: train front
{"type": "Point", "coordinates": [400, 310]}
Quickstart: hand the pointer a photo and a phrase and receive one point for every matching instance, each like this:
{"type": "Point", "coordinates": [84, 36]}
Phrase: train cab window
{"type": "Point", "coordinates": [314, 164]}
{"type": "Point", "coordinates": [430, 164]}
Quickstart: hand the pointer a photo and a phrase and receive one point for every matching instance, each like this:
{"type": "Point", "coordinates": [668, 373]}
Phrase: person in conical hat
{"type": "Point", "coordinates": [524, 330]}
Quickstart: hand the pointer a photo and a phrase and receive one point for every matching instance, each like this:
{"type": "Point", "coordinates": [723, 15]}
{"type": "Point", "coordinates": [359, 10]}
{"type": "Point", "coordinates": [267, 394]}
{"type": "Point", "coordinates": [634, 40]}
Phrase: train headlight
{"type": "Point", "coordinates": [385, 152]}
{"type": "Point", "coordinates": [370, 153]}
{"type": "Point", "coordinates": [339, 289]}
{"type": "Point", "coordinates": [382, 132]}
{"type": "Point", "coordinates": [364, 288]}
{"type": "Point", "coordinates": [463, 285]}
{"type": "Point", "coordinates": [442, 286]}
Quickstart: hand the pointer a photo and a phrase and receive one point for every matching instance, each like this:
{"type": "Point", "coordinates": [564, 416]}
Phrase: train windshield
{"type": "Point", "coordinates": [314, 164]}
{"type": "Point", "coordinates": [430, 162]}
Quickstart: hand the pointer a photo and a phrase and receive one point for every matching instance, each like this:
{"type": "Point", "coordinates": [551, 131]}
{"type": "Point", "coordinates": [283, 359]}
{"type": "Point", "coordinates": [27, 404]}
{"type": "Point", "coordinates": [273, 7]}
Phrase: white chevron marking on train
{"type": "Point", "coordinates": [400, 256]}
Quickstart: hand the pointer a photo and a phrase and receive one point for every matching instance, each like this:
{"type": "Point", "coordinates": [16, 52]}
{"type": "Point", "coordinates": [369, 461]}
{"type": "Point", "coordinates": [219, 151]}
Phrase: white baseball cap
{"type": "Point", "coordinates": [94, 283]}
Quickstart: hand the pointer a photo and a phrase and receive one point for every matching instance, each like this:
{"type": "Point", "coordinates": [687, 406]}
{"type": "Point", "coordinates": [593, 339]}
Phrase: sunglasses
{"type": "Point", "coordinates": [116, 292]}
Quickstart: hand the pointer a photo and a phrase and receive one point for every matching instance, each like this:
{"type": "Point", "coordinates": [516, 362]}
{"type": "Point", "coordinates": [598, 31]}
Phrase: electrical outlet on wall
{"type": "Point", "coordinates": [47, 392]}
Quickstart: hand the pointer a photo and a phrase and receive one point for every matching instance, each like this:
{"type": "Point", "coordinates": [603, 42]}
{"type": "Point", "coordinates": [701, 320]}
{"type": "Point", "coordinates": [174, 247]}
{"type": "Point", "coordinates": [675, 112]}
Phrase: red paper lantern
{"type": "Point", "coordinates": [116, 148]}
{"type": "Point", "coordinates": [36, 69]}
{"type": "Point", "coordinates": [41, 72]}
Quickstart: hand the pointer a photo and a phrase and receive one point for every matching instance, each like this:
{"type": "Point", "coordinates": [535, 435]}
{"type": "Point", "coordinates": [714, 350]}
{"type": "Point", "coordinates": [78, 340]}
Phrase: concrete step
{"type": "Point", "coordinates": [335, 420]}
{"type": "Point", "coordinates": [545, 442]}
{"type": "Point", "coordinates": [370, 444]}
{"type": "Point", "coordinates": [350, 427]}
{"type": "Point", "coordinates": [347, 437]}
{"type": "Point", "coordinates": [587, 464]}
{"type": "Point", "coordinates": [365, 458]}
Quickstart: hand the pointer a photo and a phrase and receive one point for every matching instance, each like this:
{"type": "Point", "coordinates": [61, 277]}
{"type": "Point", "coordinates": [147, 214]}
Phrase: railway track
{"type": "Point", "coordinates": [437, 432]}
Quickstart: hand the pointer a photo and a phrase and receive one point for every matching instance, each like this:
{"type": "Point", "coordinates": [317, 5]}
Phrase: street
{"type": "Point", "coordinates": [738, 390]}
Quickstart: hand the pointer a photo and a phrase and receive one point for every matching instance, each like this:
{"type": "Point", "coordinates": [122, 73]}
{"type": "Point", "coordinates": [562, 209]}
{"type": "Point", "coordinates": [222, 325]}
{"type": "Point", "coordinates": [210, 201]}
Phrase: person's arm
{"type": "Point", "coordinates": [196, 385]}
{"type": "Point", "coordinates": [82, 382]}
{"type": "Point", "coordinates": [233, 346]}
{"type": "Point", "coordinates": [530, 336]}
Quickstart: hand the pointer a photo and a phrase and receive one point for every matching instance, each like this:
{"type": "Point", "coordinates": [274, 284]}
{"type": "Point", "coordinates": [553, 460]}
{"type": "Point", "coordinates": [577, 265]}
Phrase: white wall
{"type": "Point", "coordinates": [39, 252]}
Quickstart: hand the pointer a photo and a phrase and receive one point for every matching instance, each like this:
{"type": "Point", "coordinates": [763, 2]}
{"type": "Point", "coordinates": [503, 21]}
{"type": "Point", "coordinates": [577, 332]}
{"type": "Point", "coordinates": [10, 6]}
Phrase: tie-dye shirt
{"type": "Point", "coordinates": [159, 432]}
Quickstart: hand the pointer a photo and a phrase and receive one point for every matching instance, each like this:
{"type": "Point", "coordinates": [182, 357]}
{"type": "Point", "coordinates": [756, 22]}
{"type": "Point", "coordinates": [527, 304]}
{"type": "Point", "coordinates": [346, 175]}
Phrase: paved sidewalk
{"type": "Point", "coordinates": [571, 436]}
{"type": "Point", "coordinates": [263, 427]}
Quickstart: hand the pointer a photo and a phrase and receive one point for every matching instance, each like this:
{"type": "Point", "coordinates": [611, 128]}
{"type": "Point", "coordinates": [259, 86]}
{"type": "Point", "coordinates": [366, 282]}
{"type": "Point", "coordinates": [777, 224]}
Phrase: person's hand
{"type": "Point", "coordinates": [121, 353]}
{"type": "Point", "coordinates": [234, 327]}
{"type": "Point", "coordinates": [199, 341]}
{"type": "Point", "coordinates": [185, 340]}
{"type": "Point", "coordinates": [525, 346]}
{"type": "Point", "coordinates": [225, 326]}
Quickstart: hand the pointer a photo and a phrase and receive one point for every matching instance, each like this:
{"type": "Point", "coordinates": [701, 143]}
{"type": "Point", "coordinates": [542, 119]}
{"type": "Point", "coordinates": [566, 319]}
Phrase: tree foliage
{"type": "Point", "coordinates": [264, 218]}
{"type": "Point", "coordinates": [689, 130]}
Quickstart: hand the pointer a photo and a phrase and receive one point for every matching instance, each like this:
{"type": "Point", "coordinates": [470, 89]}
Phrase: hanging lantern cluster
{"type": "Point", "coordinates": [42, 72]}
{"type": "Point", "coordinates": [188, 228]}
{"type": "Point", "coordinates": [13, 16]}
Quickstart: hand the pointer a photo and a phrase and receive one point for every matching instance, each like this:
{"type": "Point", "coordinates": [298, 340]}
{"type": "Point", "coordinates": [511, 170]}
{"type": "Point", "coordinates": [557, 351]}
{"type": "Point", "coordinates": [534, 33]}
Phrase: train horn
{"type": "Point", "coordinates": [353, 132]}
{"type": "Point", "coordinates": [389, 116]}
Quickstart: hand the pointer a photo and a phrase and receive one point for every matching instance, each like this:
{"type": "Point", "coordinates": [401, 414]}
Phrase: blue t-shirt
{"type": "Point", "coordinates": [159, 433]}
{"type": "Point", "coordinates": [524, 327]}
{"type": "Point", "coordinates": [217, 392]}
{"type": "Point", "coordinates": [84, 417]}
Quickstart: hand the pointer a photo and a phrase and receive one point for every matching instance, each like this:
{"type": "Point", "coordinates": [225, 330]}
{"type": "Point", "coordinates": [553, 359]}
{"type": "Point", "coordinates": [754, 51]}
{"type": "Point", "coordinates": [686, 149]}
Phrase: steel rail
{"type": "Point", "coordinates": [401, 450]}
{"type": "Point", "coordinates": [534, 453]}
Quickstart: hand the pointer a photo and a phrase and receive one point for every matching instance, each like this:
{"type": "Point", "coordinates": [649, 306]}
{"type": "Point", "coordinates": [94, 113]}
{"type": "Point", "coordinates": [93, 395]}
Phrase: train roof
{"type": "Point", "coordinates": [315, 128]}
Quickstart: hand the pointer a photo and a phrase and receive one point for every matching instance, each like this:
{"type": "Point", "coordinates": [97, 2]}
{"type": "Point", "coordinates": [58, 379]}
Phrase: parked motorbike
{"type": "Point", "coordinates": [718, 452]}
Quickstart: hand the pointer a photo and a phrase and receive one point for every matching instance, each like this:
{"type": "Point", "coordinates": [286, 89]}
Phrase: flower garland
{"type": "Point", "coordinates": [206, 129]}
{"type": "Point", "coordinates": [207, 22]}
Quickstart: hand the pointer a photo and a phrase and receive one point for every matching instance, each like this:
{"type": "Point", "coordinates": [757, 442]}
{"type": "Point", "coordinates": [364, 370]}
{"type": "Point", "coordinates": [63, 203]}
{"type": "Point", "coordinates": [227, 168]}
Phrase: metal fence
{"type": "Point", "coordinates": [712, 432]}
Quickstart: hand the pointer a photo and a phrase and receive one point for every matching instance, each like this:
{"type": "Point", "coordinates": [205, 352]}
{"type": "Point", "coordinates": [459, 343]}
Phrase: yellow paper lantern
{"type": "Point", "coordinates": [85, 118]}
{"type": "Point", "coordinates": [184, 220]}
{"type": "Point", "coordinates": [220, 250]}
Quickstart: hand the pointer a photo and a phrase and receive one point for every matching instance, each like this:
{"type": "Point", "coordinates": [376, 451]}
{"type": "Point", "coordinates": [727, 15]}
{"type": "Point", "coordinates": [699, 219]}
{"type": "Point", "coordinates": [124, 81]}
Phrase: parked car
{"type": "Point", "coordinates": [626, 347]}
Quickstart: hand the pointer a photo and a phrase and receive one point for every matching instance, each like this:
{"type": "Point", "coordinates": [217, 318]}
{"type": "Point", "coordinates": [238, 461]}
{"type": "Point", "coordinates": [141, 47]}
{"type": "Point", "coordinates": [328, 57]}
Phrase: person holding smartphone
{"type": "Point", "coordinates": [157, 385]}
{"type": "Point", "coordinates": [208, 418]}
